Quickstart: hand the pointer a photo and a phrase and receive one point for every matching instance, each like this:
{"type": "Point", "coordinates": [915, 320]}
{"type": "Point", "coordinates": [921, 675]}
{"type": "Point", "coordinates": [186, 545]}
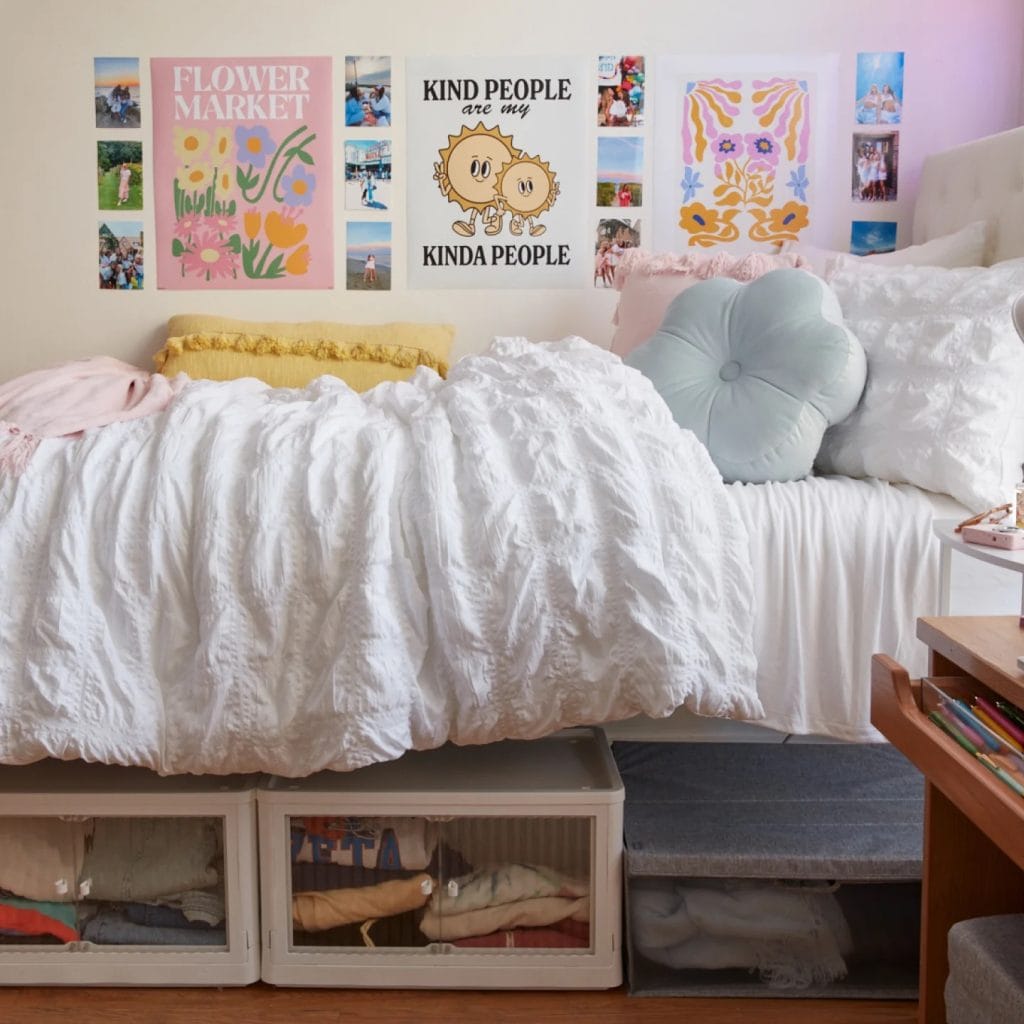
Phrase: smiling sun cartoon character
{"type": "Point", "coordinates": [526, 188]}
{"type": "Point", "coordinates": [468, 173]}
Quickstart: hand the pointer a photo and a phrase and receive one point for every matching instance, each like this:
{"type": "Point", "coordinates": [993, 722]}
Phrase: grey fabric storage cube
{"type": "Point", "coordinates": [986, 971]}
{"type": "Point", "coordinates": [840, 822]}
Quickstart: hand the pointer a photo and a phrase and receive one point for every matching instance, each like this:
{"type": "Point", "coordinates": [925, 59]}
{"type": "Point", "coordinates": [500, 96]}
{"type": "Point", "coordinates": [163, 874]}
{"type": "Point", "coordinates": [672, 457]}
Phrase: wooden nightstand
{"type": "Point", "coordinates": [973, 822]}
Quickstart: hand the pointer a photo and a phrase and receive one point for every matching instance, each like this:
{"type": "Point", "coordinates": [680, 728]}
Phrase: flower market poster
{"type": "Point", "coordinates": [242, 161]}
{"type": "Point", "coordinates": [497, 195]}
{"type": "Point", "coordinates": [741, 149]}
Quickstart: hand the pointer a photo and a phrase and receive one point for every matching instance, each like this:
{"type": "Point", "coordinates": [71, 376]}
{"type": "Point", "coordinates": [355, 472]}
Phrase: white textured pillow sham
{"type": "Point", "coordinates": [942, 404]}
{"type": "Point", "coordinates": [963, 248]}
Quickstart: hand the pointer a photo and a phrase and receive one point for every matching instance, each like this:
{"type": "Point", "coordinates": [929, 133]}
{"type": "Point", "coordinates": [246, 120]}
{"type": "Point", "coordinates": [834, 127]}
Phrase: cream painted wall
{"type": "Point", "coordinates": [963, 80]}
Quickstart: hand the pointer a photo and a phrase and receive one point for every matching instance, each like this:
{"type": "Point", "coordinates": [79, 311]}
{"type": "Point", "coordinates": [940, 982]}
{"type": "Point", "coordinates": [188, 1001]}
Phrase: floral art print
{"type": "Point", "coordinates": [243, 165]}
{"type": "Point", "coordinates": [742, 161]}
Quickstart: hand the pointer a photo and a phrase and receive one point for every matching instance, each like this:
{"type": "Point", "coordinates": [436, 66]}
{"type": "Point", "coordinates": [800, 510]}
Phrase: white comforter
{"type": "Point", "coordinates": [286, 581]}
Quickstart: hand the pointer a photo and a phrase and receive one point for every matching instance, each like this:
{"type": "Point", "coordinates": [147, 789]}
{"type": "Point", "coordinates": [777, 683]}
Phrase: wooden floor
{"type": "Point", "coordinates": [262, 1004]}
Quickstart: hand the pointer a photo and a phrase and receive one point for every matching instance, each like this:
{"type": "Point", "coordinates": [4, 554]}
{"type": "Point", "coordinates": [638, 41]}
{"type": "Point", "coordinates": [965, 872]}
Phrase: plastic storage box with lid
{"type": "Point", "coordinates": [759, 869]}
{"type": "Point", "coordinates": [497, 866]}
{"type": "Point", "coordinates": [117, 876]}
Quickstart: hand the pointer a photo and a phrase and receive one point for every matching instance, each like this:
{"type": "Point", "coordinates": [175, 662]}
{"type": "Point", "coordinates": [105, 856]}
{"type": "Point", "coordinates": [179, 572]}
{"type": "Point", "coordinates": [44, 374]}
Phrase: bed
{"type": "Point", "coordinates": [164, 665]}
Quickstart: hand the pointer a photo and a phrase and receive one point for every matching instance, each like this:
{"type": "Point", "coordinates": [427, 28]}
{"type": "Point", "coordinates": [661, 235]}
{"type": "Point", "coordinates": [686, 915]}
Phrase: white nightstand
{"type": "Point", "coordinates": [951, 541]}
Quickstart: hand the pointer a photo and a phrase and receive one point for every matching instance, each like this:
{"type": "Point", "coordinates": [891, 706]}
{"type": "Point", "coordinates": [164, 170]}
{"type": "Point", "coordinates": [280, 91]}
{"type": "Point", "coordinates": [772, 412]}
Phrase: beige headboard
{"type": "Point", "coordinates": [980, 180]}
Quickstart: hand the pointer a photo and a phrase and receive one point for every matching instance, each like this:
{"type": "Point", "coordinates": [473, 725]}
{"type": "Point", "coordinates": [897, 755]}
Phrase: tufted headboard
{"type": "Point", "coordinates": [980, 180]}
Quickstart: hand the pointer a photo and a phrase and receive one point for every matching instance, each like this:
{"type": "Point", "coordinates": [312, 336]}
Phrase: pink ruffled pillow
{"type": "Point", "coordinates": [648, 282]}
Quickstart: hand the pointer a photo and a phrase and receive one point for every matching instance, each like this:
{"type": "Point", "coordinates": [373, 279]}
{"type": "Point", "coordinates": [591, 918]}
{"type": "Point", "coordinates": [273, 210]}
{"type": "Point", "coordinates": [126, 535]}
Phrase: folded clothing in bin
{"type": "Point", "coordinates": [794, 936]}
{"type": "Point", "coordinates": [498, 899]}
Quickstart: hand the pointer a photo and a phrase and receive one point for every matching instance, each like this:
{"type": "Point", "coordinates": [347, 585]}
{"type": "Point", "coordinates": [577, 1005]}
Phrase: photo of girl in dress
{"type": "Point", "coordinates": [620, 171]}
{"type": "Point", "coordinates": [368, 252]}
{"type": "Point", "coordinates": [614, 237]}
{"type": "Point", "coordinates": [879, 88]}
{"type": "Point", "coordinates": [875, 167]}
{"type": "Point", "coordinates": [119, 175]}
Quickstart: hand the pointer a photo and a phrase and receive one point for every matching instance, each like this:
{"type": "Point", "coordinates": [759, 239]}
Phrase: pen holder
{"type": "Point", "coordinates": [982, 729]}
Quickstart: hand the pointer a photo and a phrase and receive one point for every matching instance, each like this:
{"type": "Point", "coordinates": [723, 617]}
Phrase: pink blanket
{"type": "Point", "coordinates": [67, 399]}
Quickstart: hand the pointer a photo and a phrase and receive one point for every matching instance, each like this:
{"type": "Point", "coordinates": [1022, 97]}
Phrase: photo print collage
{"type": "Point", "coordinates": [118, 111]}
{"type": "Point", "coordinates": [621, 92]}
{"type": "Point", "coordinates": [368, 173]}
{"type": "Point", "coordinates": [875, 150]}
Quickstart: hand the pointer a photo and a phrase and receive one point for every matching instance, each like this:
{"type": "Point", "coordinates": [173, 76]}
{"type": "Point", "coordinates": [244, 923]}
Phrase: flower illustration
{"type": "Point", "coordinates": [298, 261]}
{"type": "Point", "coordinates": [798, 183]}
{"type": "Point", "coordinates": [209, 257]}
{"type": "Point", "coordinates": [299, 186]}
{"type": "Point", "coordinates": [195, 176]}
{"type": "Point", "coordinates": [690, 183]}
{"type": "Point", "coordinates": [221, 144]}
{"type": "Point", "coordinates": [789, 219]}
{"type": "Point", "coordinates": [283, 231]}
{"type": "Point", "coordinates": [726, 146]}
{"type": "Point", "coordinates": [185, 226]}
{"type": "Point", "coordinates": [225, 182]}
{"type": "Point", "coordinates": [254, 145]}
{"type": "Point", "coordinates": [190, 143]}
{"type": "Point", "coordinates": [763, 149]}
{"type": "Point", "coordinates": [698, 219]}
{"type": "Point", "coordinates": [251, 222]}
{"type": "Point", "coordinates": [220, 223]}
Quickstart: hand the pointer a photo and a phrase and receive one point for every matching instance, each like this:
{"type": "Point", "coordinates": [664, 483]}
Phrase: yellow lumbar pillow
{"type": "Point", "coordinates": [292, 354]}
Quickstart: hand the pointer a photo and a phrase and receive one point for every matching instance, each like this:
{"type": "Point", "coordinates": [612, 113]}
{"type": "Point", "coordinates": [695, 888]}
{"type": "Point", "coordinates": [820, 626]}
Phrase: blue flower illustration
{"type": "Point", "coordinates": [798, 183]}
{"type": "Point", "coordinates": [299, 186]}
{"type": "Point", "coordinates": [690, 183]}
{"type": "Point", "coordinates": [254, 145]}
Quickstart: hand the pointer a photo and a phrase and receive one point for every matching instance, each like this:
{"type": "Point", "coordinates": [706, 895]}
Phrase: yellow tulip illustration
{"type": "Point", "coordinates": [298, 261]}
{"type": "Point", "coordinates": [283, 232]}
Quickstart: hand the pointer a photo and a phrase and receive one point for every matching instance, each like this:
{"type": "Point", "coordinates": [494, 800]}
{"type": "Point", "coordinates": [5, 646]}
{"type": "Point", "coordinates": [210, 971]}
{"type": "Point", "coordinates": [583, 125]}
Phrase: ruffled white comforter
{"type": "Point", "coordinates": [284, 581]}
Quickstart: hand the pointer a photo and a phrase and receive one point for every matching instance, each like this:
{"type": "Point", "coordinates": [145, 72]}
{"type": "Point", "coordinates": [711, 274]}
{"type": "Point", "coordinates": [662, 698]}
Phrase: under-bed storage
{"type": "Point", "coordinates": [463, 867]}
{"type": "Point", "coordinates": [772, 869]}
{"type": "Point", "coordinates": [113, 875]}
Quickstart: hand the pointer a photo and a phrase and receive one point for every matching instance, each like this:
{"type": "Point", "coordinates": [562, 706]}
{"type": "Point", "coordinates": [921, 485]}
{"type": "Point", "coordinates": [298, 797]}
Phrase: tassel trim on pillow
{"type": "Point", "coordinates": [260, 344]}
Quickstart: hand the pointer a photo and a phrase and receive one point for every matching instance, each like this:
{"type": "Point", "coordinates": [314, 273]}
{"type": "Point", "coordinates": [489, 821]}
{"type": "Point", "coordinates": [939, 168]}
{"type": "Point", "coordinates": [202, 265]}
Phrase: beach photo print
{"type": "Point", "coordinates": [117, 92]}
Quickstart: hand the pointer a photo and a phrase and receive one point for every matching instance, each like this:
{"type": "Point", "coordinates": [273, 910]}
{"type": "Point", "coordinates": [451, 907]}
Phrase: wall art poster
{"type": "Point", "coordinates": [497, 196]}
{"type": "Point", "coordinates": [740, 150]}
{"type": "Point", "coordinates": [242, 167]}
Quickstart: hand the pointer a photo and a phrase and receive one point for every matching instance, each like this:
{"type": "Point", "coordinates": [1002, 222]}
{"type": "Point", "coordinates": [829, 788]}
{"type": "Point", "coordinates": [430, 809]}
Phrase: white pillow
{"type": "Point", "coordinates": [945, 389]}
{"type": "Point", "coordinates": [963, 248]}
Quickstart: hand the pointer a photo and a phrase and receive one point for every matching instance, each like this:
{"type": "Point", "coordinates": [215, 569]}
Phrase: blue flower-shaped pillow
{"type": "Point", "coordinates": [757, 371]}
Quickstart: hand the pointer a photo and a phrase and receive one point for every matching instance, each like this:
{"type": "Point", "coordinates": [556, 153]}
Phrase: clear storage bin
{"type": "Point", "coordinates": [115, 875]}
{"type": "Point", "coordinates": [495, 866]}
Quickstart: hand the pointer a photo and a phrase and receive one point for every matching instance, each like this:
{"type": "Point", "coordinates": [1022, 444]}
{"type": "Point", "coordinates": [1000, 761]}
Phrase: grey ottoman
{"type": "Point", "coordinates": [986, 971]}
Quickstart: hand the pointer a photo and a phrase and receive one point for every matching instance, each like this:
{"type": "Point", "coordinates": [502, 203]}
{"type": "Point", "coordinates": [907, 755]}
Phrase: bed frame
{"type": "Point", "coordinates": [980, 180]}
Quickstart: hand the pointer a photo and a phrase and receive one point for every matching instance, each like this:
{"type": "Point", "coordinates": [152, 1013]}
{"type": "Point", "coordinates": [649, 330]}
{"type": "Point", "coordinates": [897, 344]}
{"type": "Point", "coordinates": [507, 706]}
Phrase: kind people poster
{"type": "Point", "coordinates": [496, 191]}
{"type": "Point", "coordinates": [242, 156]}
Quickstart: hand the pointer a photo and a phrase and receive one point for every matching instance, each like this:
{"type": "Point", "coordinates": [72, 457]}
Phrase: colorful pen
{"type": "Point", "coordinates": [970, 731]}
{"type": "Point", "coordinates": [952, 731]}
{"type": "Point", "coordinates": [1001, 718]}
{"type": "Point", "coordinates": [1004, 776]}
{"type": "Point", "coordinates": [968, 718]}
{"type": "Point", "coordinates": [986, 719]}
